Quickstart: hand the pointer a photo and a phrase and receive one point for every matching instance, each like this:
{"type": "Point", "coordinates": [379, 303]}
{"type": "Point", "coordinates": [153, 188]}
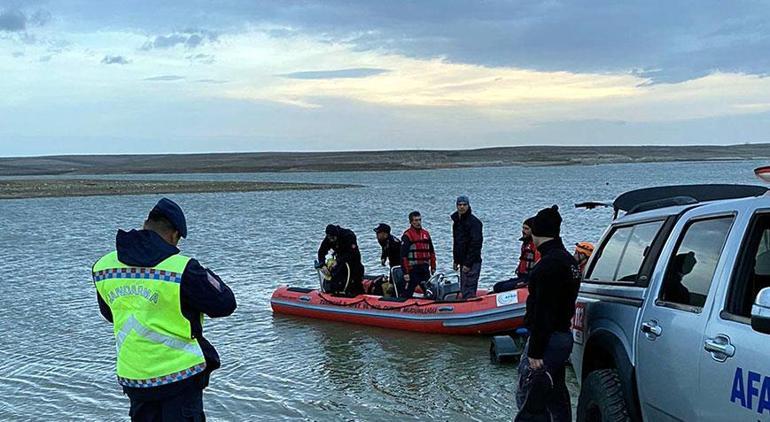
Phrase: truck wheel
{"type": "Point", "coordinates": [601, 398]}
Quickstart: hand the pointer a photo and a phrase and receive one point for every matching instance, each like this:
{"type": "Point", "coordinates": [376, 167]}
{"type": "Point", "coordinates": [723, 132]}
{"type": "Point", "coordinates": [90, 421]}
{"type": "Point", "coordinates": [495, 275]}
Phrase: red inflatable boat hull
{"type": "Point", "coordinates": [486, 314]}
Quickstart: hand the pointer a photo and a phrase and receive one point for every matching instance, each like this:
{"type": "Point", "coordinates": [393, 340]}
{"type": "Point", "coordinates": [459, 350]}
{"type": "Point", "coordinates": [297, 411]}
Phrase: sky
{"type": "Point", "coordinates": [82, 77]}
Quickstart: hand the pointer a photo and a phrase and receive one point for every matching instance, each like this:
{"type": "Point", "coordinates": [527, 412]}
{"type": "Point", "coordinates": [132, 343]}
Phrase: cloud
{"type": "Point", "coordinates": [335, 74]}
{"type": "Point", "coordinates": [433, 83]}
{"type": "Point", "coordinates": [189, 38]}
{"type": "Point", "coordinates": [201, 58]}
{"type": "Point", "coordinates": [680, 40]}
{"type": "Point", "coordinates": [683, 40]}
{"type": "Point", "coordinates": [165, 78]}
{"type": "Point", "coordinates": [320, 81]}
{"type": "Point", "coordinates": [13, 21]}
{"type": "Point", "coordinates": [17, 54]}
{"type": "Point", "coordinates": [115, 60]}
{"type": "Point", "coordinates": [46, 58]}
{"type": "Point", "coordinates": [520, 95]}
{"type": "Point", "coordinates": [40, 17]}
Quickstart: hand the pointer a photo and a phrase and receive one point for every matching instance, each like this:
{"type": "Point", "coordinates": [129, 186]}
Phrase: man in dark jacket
{"type": "Point", "coordinates": [466, 251]}
{"type": "Point", "coordinates": [553, 288]}
{"type": "Point", "coordinates": [391, 246]}
{"type": "Point", "coordinates": [347, 272]}
{"type": "Point", "coordinates": [137, 267]}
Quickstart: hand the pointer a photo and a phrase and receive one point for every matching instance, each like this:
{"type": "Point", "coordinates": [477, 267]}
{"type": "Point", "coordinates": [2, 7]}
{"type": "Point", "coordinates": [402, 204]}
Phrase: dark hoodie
{"type": "Point", "coordinates": [468, 238]}
{"type": "Point", "coordinates": [145, 248]}
{"type": "Point", "coordinates": [391, 250]}
{"type": "Point", "coordinates": [345, 250]}
{"type": "Point", "coordinates": [553, 288]}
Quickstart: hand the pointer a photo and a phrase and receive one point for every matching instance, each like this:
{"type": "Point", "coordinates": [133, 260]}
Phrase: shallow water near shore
{"type": "Point", "coordinates": [57, 353]}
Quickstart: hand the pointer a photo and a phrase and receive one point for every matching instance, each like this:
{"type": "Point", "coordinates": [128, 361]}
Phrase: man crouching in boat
{"type": "Point", "coordinates": [347, 271]}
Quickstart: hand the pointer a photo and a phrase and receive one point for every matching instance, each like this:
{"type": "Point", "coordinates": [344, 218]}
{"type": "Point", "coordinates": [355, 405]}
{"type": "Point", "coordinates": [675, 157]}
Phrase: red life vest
{"type": "Point", "coordinates": [529, 257]}
{"type": "Point", "coordinates": [419, 251]}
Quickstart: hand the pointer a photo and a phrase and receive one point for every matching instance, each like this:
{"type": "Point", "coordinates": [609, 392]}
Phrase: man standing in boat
{"type": "Point", "coordinates": [553, 288]}
{"type": "Point", "coordinates": [466, 250]}
{"type": "Point", "coordinates": [418, 257]}
{"type": "Point", "coordinates": [347, 272]}
{"type": "Point", "coordinates": [391, 246]}
{"type": "Point", "coordinates": [155, 298]}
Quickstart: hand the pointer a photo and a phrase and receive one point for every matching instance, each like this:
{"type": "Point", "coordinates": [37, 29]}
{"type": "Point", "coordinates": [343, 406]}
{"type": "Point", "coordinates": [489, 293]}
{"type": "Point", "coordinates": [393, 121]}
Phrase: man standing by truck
{"type": "Point", "coordinates": [553, 288]}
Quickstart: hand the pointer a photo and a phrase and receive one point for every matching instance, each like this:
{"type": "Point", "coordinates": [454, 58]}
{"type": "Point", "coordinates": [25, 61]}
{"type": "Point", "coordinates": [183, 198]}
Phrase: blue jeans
{"type": "Point", "coordinates": [542, 393]}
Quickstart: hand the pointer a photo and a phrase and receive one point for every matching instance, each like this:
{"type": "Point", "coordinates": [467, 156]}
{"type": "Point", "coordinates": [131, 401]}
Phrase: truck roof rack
{"type": "Point", "coordinates": [665, 196]}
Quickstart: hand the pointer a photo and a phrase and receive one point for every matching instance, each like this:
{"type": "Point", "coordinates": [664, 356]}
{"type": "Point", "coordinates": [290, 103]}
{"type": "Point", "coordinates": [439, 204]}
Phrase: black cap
{"type": "Point", "coordinates": [547, 222]}
{"type": "Point", "coordinates": [173, 213]}
{"type": "Point", "coordinates": [382, 227]}
{"type": "Point", "coordinates": [332, 230]}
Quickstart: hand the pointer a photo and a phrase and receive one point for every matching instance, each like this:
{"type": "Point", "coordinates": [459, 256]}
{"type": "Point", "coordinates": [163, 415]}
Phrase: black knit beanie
{"type": "Point", "coordinates": [547, 222]}
{"type": "Point", "coordinates": [332, 230]}
{"type": "Point", "coordinates": [530, 222]}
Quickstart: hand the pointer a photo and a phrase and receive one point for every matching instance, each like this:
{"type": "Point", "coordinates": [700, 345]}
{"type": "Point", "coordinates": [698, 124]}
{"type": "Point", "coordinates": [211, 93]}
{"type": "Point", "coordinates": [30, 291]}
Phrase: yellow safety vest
{"type": "Point", "coordinates": [154, 340]}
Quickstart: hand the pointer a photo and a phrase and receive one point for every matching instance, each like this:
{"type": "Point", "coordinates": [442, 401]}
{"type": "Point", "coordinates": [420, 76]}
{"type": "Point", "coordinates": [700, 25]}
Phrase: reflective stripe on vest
{"type": "Point", "coordinates": [153, 340]}
{"type": "Point", "coordinates": [419, 250]}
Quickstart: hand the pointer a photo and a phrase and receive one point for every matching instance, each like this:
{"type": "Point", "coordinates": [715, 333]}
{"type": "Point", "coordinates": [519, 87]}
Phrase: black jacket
{"type": "Point", "coordinates": [198, 293]}
{"type": "Point", "coordinates": [468, 238]}
{"type": "Point", "coordinates": [391, 250]}
{"type": "Point", "coordinates": [345, 251]}
{"type": "Point", "coordinates": [553, 287]}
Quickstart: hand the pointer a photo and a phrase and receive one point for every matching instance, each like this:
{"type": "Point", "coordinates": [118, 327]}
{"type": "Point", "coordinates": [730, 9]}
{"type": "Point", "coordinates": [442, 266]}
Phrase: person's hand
{"type": "Point", "coordinates": [535, 363]}
{"type": "Point", "coordinates": [432, 270]}
{"type": "Point", "coordinates": [466, 268]}
{"type": "Point", "coordinates": [455, 266]}
{"type": "Point", "coordinates": [382, 262]}
{"type": "Point", "coordinates": [406, 277]}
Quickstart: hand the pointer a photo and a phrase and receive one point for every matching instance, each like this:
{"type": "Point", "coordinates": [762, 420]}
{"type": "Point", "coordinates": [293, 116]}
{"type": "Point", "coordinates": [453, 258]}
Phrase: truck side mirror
{"type": "Point", "coordinates": [760, 312]}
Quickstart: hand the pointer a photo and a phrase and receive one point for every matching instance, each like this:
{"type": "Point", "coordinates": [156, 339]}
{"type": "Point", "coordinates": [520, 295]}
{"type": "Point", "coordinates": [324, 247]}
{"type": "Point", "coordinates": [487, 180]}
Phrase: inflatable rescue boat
{"type": "Point", "coordinates": [484, 314]}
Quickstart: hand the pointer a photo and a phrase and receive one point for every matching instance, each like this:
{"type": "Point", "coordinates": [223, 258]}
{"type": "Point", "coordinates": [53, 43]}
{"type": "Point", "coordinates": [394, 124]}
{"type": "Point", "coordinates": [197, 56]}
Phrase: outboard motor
{"type": "Point", "coordinates": [438, 287]}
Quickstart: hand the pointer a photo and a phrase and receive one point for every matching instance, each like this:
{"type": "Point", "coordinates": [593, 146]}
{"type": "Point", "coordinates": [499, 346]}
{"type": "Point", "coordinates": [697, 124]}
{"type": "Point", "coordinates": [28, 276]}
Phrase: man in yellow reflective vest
{"type": "Point", "coordinates": [155, 298]}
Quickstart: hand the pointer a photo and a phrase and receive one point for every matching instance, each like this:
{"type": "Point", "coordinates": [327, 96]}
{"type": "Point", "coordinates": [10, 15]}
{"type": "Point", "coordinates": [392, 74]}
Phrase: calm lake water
{"type": "Point", "coordinates": [57, 353]}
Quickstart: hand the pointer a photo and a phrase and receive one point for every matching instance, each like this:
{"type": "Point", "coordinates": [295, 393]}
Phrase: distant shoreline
{"type": "Point", "coordinates": [260, 162]}
{"type": "Point", "coordinates": [58, 188]}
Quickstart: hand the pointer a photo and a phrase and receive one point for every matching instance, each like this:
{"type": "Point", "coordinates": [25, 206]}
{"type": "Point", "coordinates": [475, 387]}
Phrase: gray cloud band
{"type": "Point", "coordinates": [14, 20]}
{"type": "Point", "coordinates": [190, 38]}
{"type": "Point", "coordinates": [115, 60]}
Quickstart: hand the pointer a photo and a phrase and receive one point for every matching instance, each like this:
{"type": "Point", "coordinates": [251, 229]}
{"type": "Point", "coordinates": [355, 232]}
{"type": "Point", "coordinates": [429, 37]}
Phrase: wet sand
{"type": "Point", "coordinates": [50, 188]}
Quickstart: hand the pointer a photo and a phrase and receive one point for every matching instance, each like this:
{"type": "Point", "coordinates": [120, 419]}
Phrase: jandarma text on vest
{"type": "Point", "coordinates": [133, 290]}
